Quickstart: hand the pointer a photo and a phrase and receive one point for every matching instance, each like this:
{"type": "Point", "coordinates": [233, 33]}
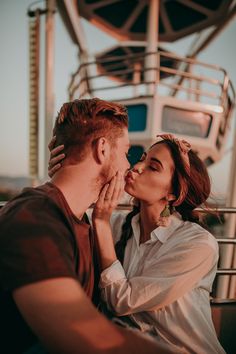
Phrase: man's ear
{"type": "Point", "coordinates": [101, 150]}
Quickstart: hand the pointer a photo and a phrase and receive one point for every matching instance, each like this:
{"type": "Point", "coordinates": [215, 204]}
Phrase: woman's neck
{"type": "Point", "coordinates": [149, 216]}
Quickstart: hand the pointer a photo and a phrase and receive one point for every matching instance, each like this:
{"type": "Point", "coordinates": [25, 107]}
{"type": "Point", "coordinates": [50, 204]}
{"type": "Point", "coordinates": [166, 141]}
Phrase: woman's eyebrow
{"type": "Point", "coordinates": [156, 160]}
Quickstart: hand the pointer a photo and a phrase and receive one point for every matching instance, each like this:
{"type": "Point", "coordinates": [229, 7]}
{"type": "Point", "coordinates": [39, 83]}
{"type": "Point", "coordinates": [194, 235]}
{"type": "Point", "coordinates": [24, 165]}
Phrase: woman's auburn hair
{"type": "Point", "coordinates": [197, 182]}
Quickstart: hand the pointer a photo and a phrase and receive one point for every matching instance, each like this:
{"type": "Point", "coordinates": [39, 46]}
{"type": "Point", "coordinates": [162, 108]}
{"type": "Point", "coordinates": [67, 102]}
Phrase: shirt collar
{"type": "Point", "coordinates": [161, 233]}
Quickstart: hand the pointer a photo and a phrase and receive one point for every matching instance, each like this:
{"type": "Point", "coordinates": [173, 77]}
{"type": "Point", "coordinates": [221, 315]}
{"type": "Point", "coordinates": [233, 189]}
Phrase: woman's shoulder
{"type": "Point", "coordinates": [198, 234]}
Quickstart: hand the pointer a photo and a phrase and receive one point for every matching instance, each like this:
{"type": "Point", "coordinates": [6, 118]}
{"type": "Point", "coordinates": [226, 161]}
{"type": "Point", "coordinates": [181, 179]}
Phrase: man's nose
{"type": "Point", "coordinates": [127, 165]}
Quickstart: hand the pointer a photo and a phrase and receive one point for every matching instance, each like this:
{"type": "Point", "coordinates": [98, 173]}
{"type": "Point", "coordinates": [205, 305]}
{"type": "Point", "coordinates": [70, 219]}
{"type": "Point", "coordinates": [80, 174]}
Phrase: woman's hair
{"type": "Point", "coordinates": [196, 183]}
{"type": "Point", "coordinates": [126, 234]}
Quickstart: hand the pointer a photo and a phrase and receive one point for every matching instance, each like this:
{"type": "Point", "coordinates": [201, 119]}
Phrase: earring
{"type": "Point", "coordinates": [164, 219]}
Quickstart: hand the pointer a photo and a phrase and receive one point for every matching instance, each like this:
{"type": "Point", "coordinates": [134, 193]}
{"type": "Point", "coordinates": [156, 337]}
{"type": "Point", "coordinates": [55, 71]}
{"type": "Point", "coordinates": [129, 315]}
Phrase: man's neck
{"type": "Point", "coordinates": [79, 185]}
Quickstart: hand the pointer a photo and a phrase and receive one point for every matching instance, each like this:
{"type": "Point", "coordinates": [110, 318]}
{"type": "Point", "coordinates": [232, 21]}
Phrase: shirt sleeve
{"type": "Point", "coordinates": [161, 281]}
{"type": "Point", "coordinates": [34, 245]}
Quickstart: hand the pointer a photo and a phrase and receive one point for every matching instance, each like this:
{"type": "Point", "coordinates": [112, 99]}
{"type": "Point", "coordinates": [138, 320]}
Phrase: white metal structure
{"type": "Point", "coordinates": [200, 110]}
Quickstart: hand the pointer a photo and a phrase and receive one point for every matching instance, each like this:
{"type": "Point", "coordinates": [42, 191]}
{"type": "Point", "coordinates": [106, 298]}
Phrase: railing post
{"type": "Point", "coordinates": [34, 64]}
{"type": "Point", "coordinates": [49, 79]}
{"type": "Point", "coordinates": [225, 285]}
{"type": "Point", "coordinates": [136, 77]}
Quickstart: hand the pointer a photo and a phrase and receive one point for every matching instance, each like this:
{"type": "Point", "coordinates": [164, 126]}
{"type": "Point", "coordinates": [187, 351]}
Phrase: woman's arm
{"type": "Point", "coordinates": [160, 282]}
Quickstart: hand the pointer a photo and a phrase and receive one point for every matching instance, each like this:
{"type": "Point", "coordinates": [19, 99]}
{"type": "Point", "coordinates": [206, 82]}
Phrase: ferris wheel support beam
{"type": "Point", "coordinates": [152, 43]}
{"type": "Point", "coordinates": [72, 19]}
{"type": "Point", "coordinates": [206, 42]}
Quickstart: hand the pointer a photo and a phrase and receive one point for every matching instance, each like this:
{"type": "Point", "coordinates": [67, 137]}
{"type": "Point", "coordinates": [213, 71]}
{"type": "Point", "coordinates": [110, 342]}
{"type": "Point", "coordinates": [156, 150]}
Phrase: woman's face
{"type": "Point", "coordinates": [150, 180]}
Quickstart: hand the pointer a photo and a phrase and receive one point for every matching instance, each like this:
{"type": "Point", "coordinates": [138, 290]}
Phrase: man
{"type": "Point", "coordinates": [46, 249]}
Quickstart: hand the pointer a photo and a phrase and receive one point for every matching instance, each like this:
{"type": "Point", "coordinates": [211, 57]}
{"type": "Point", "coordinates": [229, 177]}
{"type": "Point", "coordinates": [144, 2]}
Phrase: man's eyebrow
{"type": "Point", "coordinates": [156, 160]}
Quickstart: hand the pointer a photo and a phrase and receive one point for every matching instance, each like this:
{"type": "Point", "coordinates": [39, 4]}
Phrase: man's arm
{"type": "Point", "coordinates": [65, 321]}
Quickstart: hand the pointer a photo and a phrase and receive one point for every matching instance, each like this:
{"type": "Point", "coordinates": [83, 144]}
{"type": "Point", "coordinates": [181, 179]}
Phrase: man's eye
{"type": "Point", "coordinates": [153, 168]}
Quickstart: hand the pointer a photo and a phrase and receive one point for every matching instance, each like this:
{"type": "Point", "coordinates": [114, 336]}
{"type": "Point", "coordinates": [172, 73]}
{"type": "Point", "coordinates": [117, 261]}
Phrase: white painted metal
{"type": "Point", "coordinates": [49, 79]}
{"type": "Point", "coordinates": [226, 285]}
{"type": "Point", "coordinates": [152, 43]}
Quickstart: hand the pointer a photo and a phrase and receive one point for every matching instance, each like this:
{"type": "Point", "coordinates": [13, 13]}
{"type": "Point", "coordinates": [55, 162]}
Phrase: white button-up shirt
{"type": "Point", "coordinates": [164, 283]}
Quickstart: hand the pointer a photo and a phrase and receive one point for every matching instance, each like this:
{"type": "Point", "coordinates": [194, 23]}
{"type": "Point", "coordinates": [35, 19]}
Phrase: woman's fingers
{"type": "Point", "coordinates": [55, 151]}
{"type": "Point", "coordinates": [111, 192]}
{"type": "Point", "coordinates": [108, 198]}
{"type": "Point", "coordinates": [117, 188]}
{"type": "Point", "coordinates": [55, 157]}
{"type": "Point", "coordinates": [55, 164]}
{"type": "Point", "coordinates": [111, 188]}
{"type": "Point", "coordinates": [55, 160]}
{"type": "Point", "coordinates": [52, 170]}
{"type": "Point", "coordinates": [102, 194]}
{"type": "Point", "coordinates": [52, 142]}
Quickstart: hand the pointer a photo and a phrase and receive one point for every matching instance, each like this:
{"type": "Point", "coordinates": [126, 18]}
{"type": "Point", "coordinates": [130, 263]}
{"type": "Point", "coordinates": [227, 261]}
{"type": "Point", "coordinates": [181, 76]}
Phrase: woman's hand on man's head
{"type": "Point", "coordinates": [56, 157]}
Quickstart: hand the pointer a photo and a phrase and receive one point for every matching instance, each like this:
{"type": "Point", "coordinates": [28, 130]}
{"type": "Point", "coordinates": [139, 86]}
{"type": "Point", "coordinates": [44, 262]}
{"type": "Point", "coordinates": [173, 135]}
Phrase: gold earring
{"type": "Point", "coordinates": [164, 216]}
{"type": "Point", "coordinates": [165, 212]}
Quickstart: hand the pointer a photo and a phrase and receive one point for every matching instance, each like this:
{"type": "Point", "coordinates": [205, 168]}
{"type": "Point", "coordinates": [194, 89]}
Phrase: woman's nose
{"type": "Point", "coordinates": [138, 168]}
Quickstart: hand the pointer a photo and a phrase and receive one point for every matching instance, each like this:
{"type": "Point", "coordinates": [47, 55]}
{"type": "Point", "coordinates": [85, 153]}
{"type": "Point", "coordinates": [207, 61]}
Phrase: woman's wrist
{"type": "Point", "coordinates": [101, 222]}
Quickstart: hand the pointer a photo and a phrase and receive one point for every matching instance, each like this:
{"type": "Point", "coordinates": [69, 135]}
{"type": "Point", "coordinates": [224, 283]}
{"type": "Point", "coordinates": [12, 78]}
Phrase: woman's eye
{"type": "Point", "coordinates": [153, 168]}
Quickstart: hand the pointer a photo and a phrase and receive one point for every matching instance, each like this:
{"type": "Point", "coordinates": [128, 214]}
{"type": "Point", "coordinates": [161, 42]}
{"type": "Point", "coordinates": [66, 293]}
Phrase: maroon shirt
{"type": "Point", "coordinates": [40, 238]}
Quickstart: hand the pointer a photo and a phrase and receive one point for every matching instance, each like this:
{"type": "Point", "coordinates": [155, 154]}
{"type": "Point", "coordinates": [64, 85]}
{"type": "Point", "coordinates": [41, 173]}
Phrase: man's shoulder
{"type": "Point", "coordinates": [31, 206]}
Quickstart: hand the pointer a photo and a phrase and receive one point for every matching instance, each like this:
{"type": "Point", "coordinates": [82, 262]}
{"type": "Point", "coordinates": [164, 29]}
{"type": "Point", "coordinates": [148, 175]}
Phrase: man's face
{"type": "Point", "coordinates": [118, 158]}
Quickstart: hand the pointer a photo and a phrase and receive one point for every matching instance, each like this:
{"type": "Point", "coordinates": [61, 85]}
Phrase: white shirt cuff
{"type": "Point", "coordinates": [112, 274]}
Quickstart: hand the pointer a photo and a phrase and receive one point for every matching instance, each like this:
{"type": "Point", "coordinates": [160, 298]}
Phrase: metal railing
{"type": "Point", "coordinates": [105, 74]}
{"type": "Point", "coordinates": [219, 211]}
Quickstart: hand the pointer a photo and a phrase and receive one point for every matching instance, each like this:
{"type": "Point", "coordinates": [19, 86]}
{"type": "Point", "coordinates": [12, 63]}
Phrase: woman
{"type": "Point", "coordinates": [159, 274]}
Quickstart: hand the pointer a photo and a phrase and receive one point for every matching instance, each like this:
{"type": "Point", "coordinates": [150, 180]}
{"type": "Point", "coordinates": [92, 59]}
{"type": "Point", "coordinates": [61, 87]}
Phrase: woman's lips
{"type": "Point", "coordinates": [129, 177]}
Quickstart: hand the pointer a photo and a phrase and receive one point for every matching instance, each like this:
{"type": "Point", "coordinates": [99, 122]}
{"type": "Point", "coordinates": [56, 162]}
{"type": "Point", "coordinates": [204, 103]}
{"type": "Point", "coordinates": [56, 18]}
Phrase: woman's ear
{"type": "Point", "coordinates": [102, 150]}
{"type": "Point", "coordinates": [171, 197]}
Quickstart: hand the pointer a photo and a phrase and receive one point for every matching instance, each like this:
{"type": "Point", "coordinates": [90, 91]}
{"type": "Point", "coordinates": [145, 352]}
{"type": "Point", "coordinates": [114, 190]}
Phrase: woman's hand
{"type": "Point", "coordinates": [106, 203]}
{"type": "Point", "coordinates": [55, 157]}
{"type": "Point", "coordinates": [108, 199]}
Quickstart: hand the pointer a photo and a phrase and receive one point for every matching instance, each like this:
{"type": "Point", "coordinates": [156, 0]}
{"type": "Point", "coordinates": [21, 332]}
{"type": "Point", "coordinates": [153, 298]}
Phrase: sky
{"type": "Point", "coordinates": [14, 82]}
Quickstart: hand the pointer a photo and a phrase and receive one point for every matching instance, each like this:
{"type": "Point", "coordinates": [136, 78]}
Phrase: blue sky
{"type": "Point", "coordinates": [14, 82]}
